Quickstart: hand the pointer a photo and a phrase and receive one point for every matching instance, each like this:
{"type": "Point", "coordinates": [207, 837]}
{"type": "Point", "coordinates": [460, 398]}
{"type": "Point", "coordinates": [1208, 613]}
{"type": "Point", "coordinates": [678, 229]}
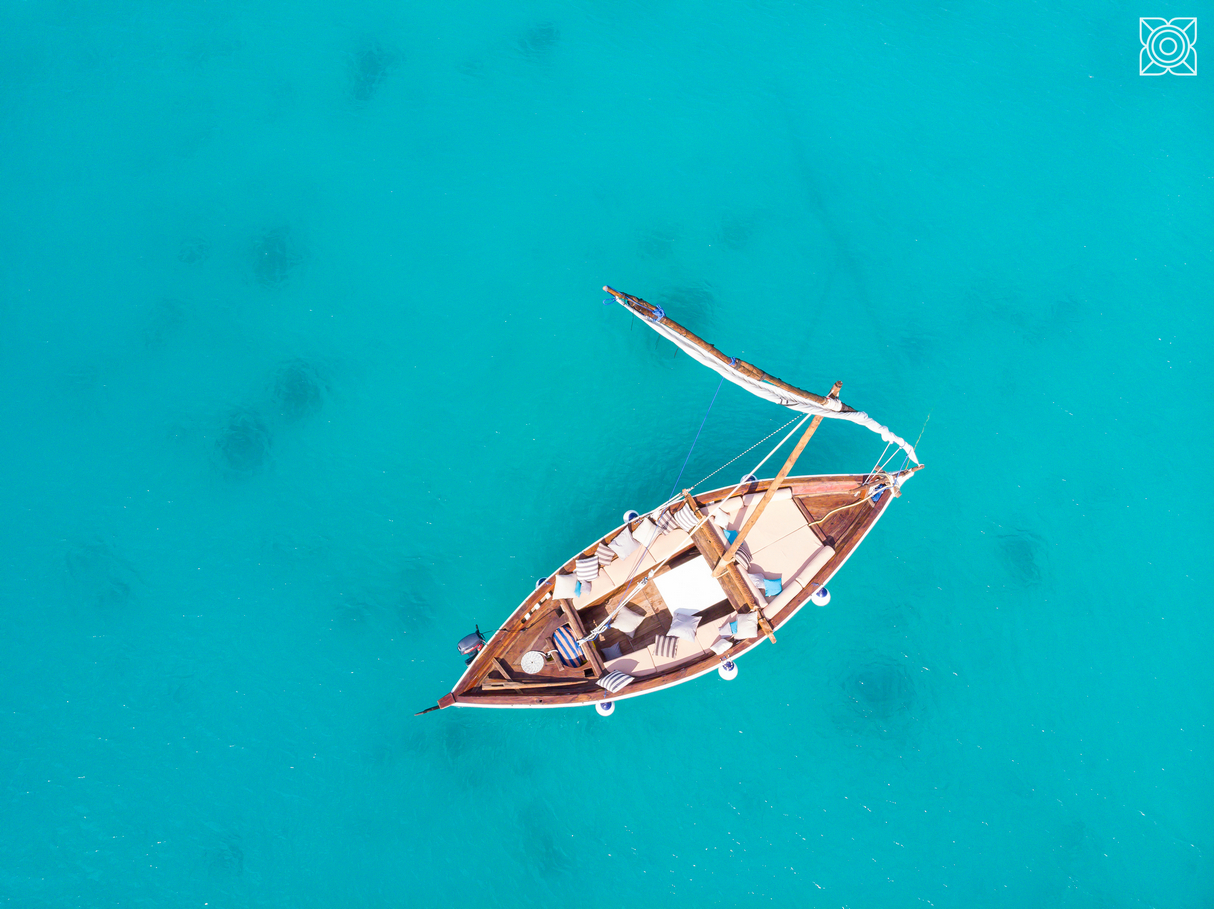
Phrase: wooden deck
{"type": "Point", "coordinates": [837, 510]}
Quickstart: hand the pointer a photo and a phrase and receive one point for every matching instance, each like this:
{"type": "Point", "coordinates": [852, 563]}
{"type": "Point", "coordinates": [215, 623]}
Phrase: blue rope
{"type": "Point", "coordinates": [697, 438]}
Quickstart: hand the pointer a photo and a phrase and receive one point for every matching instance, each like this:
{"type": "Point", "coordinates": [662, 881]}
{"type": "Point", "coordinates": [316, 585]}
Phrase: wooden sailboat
{"type": "Point", "coordinates": [689, 587]}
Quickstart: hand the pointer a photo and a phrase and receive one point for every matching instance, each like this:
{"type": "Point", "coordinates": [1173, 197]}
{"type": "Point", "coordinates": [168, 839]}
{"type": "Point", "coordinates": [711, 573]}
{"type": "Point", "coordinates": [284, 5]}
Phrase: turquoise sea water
{"type": "Point", "coordinates": [305, 371]}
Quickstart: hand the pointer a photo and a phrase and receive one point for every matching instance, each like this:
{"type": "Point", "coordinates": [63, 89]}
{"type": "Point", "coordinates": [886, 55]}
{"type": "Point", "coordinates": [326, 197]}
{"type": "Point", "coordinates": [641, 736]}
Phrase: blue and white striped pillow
{"type": "Point", "coordinates": [615, 680]}
{"type": "Point", "coordinates": [666, 646]}
{"type": "Point", "coordinates": [665, 521]}
{"type": "Point", "coordinates": [588, 568]}
{"type": "Point", "coordinates": [685, 519]}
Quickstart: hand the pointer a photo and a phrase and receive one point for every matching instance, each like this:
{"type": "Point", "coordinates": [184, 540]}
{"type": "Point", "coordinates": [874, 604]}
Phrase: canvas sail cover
{"type": "Point", "coordinates": [750, 377]}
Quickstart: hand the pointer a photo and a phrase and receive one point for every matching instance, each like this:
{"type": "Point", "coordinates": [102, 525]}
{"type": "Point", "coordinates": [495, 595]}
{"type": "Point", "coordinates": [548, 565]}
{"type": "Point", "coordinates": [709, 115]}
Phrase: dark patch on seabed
{"type": "Point", "coordinates": [225, 862]}
{"type": "Point", "coordinates": [542, 837]}
{"type": "Point", "coordinates": [691, 305]}
{"type": "Point", "coordinates": [880, 699]}
{"type": "Point", "coordinates": [100, 575]}
{"type": "Point", "coordinates": [276, 256]}
{"type": "Point", "coordinates": [244, 443]}
{"type": "Point", "coordinates": [735, 232]}
{"type": "Point", "coordinates": [299, 390]}
{"type": "Point", "coordinates": [540, 41]}
{"type": "Point", "coordinates": [194, 251]}
{"type": "Point", "coordinates": [370, 67]}
{"type": "Point", "coordinates": [1023, 556]}
{"type": "Point", "coordinates": [165, 319]}
{"type": "Point", "coordinates": [657, 243]}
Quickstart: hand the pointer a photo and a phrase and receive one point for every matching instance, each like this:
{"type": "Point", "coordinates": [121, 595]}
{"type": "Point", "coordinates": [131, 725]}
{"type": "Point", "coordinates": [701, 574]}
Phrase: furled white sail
{"type": "Point", "coordinates": [760, 384]}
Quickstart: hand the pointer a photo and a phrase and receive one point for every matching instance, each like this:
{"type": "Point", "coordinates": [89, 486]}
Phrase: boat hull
{"type": "Point", "coordinates": [803, 537]}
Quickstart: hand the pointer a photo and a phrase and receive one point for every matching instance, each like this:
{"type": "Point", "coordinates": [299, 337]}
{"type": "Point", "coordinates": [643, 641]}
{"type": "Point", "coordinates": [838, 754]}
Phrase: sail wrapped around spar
{"type": "Point", "coordinates": [751, 377]}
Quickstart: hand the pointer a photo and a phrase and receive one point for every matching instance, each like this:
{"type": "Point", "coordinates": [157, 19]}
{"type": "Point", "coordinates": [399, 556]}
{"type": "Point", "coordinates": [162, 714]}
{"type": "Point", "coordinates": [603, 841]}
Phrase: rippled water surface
{"type": "Point", "coordinates": [305, 372]}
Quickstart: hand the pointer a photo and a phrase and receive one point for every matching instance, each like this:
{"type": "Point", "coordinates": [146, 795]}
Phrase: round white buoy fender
{"type": "Point", "coordinates": [728, 670]}
{"type": "Point", "coordinates": [605, 708]}
{"type": "Point", "coordinates": [821, 596]}
{"type": "Point", "coordinates": [540, 583]}
{"type": "Point", "coordinates": [631, 515]}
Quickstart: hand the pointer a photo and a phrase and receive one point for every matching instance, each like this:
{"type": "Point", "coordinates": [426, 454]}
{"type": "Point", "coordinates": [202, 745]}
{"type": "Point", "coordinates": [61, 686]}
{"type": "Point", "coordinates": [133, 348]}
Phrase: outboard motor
{"type": "Point", "coordinates": [470, 645]}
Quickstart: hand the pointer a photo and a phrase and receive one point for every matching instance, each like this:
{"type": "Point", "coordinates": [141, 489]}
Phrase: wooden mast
{"type": "Point", "coordinates": [771, 491]}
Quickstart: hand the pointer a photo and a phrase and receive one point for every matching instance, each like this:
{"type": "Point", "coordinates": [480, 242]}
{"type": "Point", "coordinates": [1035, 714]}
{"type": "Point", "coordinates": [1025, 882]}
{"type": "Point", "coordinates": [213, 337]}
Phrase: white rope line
{"type": "Point", "coordinates": [743, 454]}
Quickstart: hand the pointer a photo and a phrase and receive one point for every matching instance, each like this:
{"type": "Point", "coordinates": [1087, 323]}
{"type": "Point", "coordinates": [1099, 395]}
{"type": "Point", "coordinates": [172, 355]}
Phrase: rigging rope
{"type": "Point", "coordinates": [746, 452]}
{"type": "Point", "coordinates": [697, 438]}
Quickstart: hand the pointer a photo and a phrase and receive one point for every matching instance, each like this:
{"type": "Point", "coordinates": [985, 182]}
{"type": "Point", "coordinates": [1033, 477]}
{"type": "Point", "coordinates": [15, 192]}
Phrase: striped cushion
{"type": "Point", "coordinates": [567, 647]}
{"type": "Point", "coordinates": [742, 556]}
{"type": "Point", "coordinates": [666, 646]}
{"type": "Point", "coordinates": [588, 568]}
{"type": "Point", "coordinates": [605, 553]}
{"type": "Point", "coordinates": [665, 521]}
{"type": "Point", "coordinates": [685, 519]}
{"type": "Point", "coordinates": [615, 680]}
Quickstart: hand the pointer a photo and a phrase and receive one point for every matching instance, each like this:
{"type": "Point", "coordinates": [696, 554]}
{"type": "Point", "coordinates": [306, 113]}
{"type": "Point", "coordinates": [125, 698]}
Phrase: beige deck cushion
{"type": "Point", "coordinates": [731, 505]}
{"type": "Point", "coordinates": [628, 620]}
{"type": "Point", "coordinates": [794, 555]}
{"type": "Point", "coordinates": [778, 520]}
{"type": "Point", "coordinates": [782, 495]}
{"type": "Point", "coordinates": [624, 544]}
{"type": "Point", "coordinates": [645, 531]}
{"type": "Point", "coordinates": [639, 662]}
{"type": "Point", "coordinates": [791, 589]}
{"type": "Point", "coordinates": [564, 586]}
{"type": "Point", "coordinates": [710, 632]}
{"type": "Point", "coordinates": [673, 542]}
{"type": "Point", "coordinates": [636, 564]}
{"type": "Point", "coordinates": [818, 562]}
